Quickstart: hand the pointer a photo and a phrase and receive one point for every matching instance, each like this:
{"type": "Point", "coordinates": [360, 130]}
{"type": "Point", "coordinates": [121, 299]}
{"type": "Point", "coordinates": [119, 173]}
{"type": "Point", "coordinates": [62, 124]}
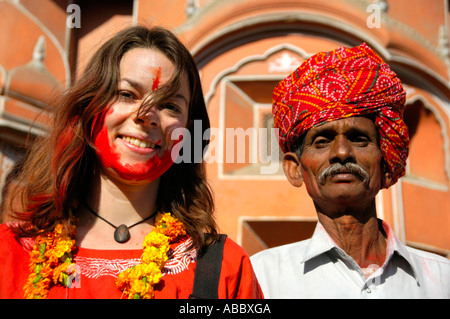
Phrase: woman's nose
{"type": "Point", "coordinates": [147, 117]}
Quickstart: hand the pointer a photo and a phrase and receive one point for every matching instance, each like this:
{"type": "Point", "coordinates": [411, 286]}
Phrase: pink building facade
{"type": "Point", "coordinates": [243, 48]}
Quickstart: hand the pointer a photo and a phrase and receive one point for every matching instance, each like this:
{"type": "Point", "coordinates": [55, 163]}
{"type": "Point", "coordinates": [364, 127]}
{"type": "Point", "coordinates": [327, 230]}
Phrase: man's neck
{"type": "Point", "coordinates": [360, 238]}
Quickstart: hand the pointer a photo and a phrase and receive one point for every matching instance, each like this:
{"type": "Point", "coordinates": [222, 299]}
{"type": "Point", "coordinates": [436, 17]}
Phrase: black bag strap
{"type": "Point", "coordinates": [207, 271]}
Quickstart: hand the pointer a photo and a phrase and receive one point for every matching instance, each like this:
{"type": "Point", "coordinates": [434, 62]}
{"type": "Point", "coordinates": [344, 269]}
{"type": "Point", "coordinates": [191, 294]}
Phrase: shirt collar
{"type": "Point", "coordinates": [394, 245]}
{"type": "Point", "coordinates": [321, 242]}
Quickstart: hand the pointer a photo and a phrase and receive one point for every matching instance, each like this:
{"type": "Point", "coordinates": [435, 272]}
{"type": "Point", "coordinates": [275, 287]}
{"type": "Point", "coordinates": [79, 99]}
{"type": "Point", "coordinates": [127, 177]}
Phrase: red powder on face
{"type": "Point", "coordinates": [111, 158]}
{"type": "Point", "coordinates": [157, 79]}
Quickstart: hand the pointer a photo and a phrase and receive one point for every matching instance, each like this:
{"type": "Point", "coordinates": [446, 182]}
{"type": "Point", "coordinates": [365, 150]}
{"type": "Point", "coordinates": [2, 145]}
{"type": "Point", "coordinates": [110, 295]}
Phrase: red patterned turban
{"type": "Point", "coordinates": [339, 84]}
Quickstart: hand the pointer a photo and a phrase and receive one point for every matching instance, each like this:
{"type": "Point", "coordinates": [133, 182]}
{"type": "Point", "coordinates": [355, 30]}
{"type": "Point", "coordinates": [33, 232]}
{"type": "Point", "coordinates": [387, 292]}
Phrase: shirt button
{"type": "Point", "coordinates": [368, 290]}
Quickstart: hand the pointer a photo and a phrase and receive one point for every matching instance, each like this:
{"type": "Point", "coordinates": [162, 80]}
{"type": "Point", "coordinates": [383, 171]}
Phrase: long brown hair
{"type": "Point", "coordinates": [59, 168]}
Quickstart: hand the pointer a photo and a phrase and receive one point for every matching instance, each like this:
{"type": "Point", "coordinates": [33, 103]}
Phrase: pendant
{"type": "Point", "coordinates": [122, 234]}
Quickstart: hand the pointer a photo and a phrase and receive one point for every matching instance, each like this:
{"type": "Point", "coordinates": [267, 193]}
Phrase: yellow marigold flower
{"type": "Point", "coordinates": [136, 273]}
{"type": "Point", "coordinates": [153, 274]}
{"type": "Point", "coordinates": [156, 239]}
{"type": "Point", "coordinates": [154, 254]}
{"type": "Point", "coordinates": [58, 274]}
{"type": "Point", "coordinates": [46, 270]}
{"type": "Point", "coordinates": [138, 286]}
{"type": "Point", "coordinates": [170, 226]}
{"type": "Point", "coordinates": [122, 279]}
{"type": "Point", "coordinates": [147, 294]}
{"type": "Point", "coordinates": [58, 230]}
{"type": "Point", "coordinates": [35, 257]}
{"type": "Point", "coordinates": [62, 246]}
{"type": "Point", "coordinates": [45, 264]}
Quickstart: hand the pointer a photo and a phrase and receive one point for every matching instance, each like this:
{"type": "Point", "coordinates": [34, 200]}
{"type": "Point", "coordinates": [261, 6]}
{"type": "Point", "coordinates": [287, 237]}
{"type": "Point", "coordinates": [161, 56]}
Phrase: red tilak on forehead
{"type": "Point", "coordinates": [156, 79]}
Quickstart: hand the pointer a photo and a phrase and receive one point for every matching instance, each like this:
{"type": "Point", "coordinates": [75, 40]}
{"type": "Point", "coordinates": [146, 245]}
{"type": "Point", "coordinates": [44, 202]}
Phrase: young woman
{"type": "Point", "coordinates": [107, 213]}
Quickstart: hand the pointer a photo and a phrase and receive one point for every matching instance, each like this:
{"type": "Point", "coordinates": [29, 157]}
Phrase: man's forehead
{"type": "Point", "coordinates": [351, 123]}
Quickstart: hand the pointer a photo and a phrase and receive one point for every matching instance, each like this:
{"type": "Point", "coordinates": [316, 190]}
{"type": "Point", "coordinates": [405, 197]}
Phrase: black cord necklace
{"type": "Point", "coordinates": [122, 232]}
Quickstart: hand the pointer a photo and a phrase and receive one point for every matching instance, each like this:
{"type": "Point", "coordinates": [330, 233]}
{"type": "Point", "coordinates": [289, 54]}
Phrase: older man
{"type": "Point", "coordinates": [341, 129]}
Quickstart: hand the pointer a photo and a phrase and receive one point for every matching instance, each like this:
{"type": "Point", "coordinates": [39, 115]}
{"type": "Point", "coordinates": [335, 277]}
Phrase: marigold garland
{"type": "Point", "coordinates": [51, 260]}
{"type": "Point", "coordinates": [138, 281]}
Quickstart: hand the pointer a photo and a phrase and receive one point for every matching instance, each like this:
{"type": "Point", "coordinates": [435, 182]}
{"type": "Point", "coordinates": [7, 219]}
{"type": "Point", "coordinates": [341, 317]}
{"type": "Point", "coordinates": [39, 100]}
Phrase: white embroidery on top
{"type": "Point", "coordinates": [178, 261]}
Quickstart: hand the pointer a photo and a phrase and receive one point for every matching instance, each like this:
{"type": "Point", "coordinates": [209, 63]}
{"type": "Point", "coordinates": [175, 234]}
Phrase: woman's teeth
{"type": "Point", "coordinates": [138, 142]}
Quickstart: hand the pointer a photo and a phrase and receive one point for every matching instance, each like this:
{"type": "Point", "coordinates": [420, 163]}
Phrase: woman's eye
{"type": "Point", "coordinates": [171, 107]}
{"type": "Point", "coordinates": [126, 96]}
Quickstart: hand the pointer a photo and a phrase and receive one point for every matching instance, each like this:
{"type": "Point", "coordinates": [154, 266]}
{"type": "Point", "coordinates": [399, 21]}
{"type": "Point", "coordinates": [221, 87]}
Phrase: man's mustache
{"type": "Point", "coordinates": [347, 168]}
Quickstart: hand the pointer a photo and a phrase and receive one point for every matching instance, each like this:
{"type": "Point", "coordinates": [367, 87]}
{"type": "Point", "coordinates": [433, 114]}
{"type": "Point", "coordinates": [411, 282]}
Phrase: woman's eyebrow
{"type": "Point", "coordinates": [181, 96]}
{"type": "Point", "coordinates": [134, 84]}
{"type": "Point", "coordinates": [140, 87]}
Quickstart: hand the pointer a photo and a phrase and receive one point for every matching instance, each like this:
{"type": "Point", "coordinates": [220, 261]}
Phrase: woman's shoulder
{"type": "Point", "coordinates": [226, 249]}
{"type": "Point", "coordinates": [14, 262]}
{"type": "Point", "coordinates": [233, 250]}
{"type": "Point", "coordinates": [10, 240]}
{"type": "Point", "coordinates": [6, 232]}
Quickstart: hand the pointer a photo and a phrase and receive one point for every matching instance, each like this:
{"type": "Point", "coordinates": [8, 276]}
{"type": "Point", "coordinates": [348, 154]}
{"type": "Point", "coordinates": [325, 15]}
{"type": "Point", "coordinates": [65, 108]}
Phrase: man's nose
{"type": "Point", "coordinates": [341, 150]}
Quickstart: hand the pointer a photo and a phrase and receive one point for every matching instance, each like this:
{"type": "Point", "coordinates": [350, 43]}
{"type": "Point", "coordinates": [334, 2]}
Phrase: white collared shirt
{"type": "Point", "coordinates": [318, 268]}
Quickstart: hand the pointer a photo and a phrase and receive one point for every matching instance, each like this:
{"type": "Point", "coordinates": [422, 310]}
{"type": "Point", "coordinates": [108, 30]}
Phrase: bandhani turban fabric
{"type": "Point", "coordinates": [339, 84]}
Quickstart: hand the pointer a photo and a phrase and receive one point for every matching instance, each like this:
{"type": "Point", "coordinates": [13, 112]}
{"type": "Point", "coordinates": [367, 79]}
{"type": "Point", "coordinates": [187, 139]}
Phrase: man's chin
{"type": "Point", "coordinates": [347, 193]}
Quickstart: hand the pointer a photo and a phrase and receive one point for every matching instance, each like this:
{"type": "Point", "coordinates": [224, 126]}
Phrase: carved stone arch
{"type": "Point", "coordinates": [418, 113]}
{"type": "Point", "coordinates": [286, 47]}
{"type": "Point", "coordinates": [244, 91]}
{"type": "Point", "coordinates": [416, 75]}
{"type": "Point", "coordinates": [277, 25]}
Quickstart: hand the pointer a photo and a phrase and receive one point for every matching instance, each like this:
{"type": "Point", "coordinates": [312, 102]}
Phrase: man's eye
{"type": "Point", "coordinates": [321, 141]}
{"type": "Point", "coordinates": [360, 140]}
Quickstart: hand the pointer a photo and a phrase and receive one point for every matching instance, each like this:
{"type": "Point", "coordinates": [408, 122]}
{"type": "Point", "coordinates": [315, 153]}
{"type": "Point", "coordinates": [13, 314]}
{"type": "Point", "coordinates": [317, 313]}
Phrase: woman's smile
{"type": "Point", "coordinates": [138, 142]}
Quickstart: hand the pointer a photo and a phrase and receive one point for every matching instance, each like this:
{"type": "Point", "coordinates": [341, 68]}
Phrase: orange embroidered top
{"type": "Point", "coordinates": [99, 269]}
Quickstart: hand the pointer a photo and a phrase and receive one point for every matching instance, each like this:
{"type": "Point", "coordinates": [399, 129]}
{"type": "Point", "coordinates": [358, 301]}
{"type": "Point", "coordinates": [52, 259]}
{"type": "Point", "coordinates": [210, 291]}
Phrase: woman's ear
{"type": "Point", "coordinates": [292, 169]}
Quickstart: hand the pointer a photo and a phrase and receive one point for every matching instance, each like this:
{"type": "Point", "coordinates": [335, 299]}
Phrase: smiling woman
{"type": "Point", "coordinates": [138, 147]}
{"type": "Point", "coordinates": [106, 211]}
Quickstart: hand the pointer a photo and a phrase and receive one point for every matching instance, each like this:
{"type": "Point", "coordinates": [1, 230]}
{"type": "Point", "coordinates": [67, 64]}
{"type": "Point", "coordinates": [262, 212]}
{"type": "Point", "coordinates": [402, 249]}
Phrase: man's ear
{"type": "Point", "coordinates": [292, 169]}
{"type": "Point", "coordinates": [386, 178]}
